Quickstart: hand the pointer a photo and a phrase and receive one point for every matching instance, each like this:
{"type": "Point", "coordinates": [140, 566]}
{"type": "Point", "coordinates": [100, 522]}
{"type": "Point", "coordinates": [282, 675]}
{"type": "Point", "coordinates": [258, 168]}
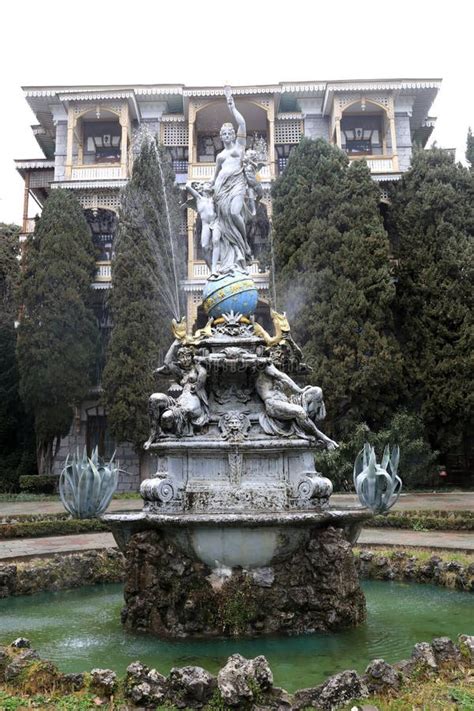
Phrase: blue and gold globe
{"type": "Point", "coordinates": [230, 292]}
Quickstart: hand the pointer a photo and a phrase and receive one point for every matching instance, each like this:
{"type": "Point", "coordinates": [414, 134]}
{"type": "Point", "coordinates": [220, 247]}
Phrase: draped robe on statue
{"type": "Point", "coordinates": [234, 249]}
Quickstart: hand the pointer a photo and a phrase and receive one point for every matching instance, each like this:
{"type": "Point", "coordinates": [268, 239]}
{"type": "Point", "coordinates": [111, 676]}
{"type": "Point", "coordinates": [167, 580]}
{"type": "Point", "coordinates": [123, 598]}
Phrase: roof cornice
{"type": "Point", "coordinates": [117, 90]}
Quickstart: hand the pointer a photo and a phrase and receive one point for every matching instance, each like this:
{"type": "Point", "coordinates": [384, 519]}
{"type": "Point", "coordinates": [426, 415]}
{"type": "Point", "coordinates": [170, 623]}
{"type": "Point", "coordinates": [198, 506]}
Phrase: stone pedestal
{"type": "Point", "coordinates": [171, 594]}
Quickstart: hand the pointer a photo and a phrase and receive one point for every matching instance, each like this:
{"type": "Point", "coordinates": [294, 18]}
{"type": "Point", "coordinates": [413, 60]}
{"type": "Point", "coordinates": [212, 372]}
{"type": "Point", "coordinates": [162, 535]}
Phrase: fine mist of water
{"type": "Point", "coordinates": [152, 216]}
{"type": "Point", "coordinates": [160, 269]}
{"type": "Point", "coordinates": [170, 236]}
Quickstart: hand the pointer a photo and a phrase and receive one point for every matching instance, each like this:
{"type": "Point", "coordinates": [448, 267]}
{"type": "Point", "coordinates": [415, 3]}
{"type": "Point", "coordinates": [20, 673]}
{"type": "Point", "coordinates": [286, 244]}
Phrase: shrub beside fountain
{"type": "Point", "coordinates": [236, 535]}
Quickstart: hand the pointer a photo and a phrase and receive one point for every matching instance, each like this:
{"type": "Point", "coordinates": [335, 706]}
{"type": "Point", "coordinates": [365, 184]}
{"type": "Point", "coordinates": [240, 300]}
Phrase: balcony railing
{"type": "Point", "coordinates": [97, 172]}
{"type": "Point", "coordinates": [103, 272]}
{"type": "Point", "coordinates": [379, 164]}
{"type": "Point", "coordinates": [205, 171]}
{"type": "Point", "coordinates": [29, 225]}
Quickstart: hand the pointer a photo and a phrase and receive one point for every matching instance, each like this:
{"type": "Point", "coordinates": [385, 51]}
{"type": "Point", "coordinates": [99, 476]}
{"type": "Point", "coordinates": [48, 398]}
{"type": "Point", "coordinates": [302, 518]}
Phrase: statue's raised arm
{"type": "Point", "coordinates": [241, 125]}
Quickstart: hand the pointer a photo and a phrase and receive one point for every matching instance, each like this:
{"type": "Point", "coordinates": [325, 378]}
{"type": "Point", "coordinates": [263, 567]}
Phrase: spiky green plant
{"type": "Point", "coordinates": [87, 484]}
{"type": "Point", "coordinates": [377, 485]}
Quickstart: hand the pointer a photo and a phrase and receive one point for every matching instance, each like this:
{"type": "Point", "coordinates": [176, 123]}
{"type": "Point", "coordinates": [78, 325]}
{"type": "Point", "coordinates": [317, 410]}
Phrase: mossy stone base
{"type": "Point", "coordinates": [171, 595]}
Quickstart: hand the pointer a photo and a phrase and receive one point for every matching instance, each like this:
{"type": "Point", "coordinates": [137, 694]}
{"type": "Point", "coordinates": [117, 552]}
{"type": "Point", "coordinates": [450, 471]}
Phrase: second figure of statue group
{"type": "Point", "coordinates": [228, 202]}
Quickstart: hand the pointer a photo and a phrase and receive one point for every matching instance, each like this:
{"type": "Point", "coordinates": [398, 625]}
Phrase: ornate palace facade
{"type": "Point", "coordinates": [86, 135]}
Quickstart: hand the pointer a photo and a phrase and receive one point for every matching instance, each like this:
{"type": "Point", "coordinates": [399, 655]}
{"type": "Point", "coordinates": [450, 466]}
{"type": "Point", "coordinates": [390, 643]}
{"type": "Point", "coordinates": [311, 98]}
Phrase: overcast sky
{"type": "Point", "coordinates": [104, 42]}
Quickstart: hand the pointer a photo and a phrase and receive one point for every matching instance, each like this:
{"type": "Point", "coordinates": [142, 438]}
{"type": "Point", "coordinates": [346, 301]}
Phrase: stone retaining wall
{"type": "Point", "coordinates": [403, 566]}
{"type": "Point", "coordinates": [240, 684]}
{"type": "Point", "coordinates": [61, 572]}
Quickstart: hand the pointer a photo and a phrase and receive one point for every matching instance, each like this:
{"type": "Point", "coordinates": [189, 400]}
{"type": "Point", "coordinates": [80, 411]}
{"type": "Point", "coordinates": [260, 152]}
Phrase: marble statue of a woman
{"type": "Point", "coordinates": [230, 191]}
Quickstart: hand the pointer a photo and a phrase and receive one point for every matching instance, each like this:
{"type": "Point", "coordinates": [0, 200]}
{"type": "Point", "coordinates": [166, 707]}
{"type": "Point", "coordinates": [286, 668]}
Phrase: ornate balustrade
{"type": "Point", "coordinates": [29, 225]}
{"type": "Point", "coordinates": [205, 171]}
{"type": "Point", "coordinates": [104, 272]}
{"type": "Point", "coordinates": [97, 172]}
{"type": "Point", "coordinates": [379, 164]}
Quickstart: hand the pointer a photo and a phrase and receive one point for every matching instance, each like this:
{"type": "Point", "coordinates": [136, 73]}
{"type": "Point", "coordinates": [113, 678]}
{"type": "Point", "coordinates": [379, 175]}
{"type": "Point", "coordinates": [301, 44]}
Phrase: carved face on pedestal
{"type": "Point", "coordinates": [233, 423]}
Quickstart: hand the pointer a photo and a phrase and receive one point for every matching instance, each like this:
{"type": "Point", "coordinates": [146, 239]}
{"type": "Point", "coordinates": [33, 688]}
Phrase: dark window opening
{"type": "Point", "coordinates": [102, 141]}
{"type": "Point", "coordinates": [98, 435]}
{"type": "Point", "coordinates": [282, 155]}
{"type": "Point", "coordinates": [258, 230]}
{"type": "Point", "coordinates": [362, 135]}
{"type": "Point", "coordinates": [179, 158]}
{"type": "Point", "coordinates": [103, 225]}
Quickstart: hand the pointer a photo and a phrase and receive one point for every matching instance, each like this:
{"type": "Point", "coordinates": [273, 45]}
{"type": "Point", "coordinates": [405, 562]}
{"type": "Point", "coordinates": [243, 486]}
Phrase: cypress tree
{"type": "Point", "coordinates": [15, 427]}
{"type": "Point", "coordinates": [470, 149]}
{"type": "Point", "coordinates": [57, 337]}
{"type": "Point", "coordinates": [333, 267]}
{"type": "Point", "coordinates": [432, 221]}
{"type": "Point", "coordinates": [145, 293]}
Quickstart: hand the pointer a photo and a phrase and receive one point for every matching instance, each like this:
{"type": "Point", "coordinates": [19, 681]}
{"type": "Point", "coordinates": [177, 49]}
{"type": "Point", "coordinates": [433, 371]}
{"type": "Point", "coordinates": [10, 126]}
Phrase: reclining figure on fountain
{"type": "Point", "coordinates": [281, 407]}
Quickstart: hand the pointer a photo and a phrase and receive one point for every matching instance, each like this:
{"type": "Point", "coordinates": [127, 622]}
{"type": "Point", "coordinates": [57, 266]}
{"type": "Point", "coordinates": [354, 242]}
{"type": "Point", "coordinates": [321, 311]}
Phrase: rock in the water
{"type": "Point", "coordinates": [381, 676]}
{"type": "Point", "coordinates": [336, 691]}
{"type": "Point", "coordinates": [190, 687]}
{"type": "Point", "coordinates": [104, 681]}
{"type": "Point", "coordinates": [241, 678]}
{"type": "Point", "coordinates": [21, 643]}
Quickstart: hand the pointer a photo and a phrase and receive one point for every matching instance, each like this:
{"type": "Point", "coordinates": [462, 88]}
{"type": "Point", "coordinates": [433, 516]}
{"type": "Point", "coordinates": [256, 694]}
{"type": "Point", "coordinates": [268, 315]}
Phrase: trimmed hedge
{"type": "Point", "coordinates": [54, 527]}
{"type": "Point", "coordinates": [426, 520]}
{"type": "Point", "coordinates": [45, 484]}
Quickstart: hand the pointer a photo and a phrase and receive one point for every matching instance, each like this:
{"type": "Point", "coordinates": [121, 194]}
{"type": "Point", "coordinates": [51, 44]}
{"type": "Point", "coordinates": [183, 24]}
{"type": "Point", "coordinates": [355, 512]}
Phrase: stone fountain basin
{"type": "Point", "coordinates": [247, 540]}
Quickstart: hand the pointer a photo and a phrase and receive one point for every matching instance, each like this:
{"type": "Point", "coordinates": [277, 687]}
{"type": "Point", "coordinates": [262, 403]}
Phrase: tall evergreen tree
{"type": "Point", "coordinates": [334, 278]}
{"type": "Point", "coordinates": [15, 427]}
{"type": "Point", "coordinates": [145, 295]}
{"type": "Point", "coordinates": [470, 149]}
{"type": "Point", "coordinates": [57, 338]}
{"type": "Point", "coordinates": [432, 221]}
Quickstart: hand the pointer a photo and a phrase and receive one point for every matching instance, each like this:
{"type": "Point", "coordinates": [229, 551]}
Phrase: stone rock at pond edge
{"type": "Point", "coordinates": [381, 676]}
{"type": "Point", "coordinates": [337, 690]}
{"type": "Point", "coordinates": [445, 650]}
{"type": "Point", "coordinates": [240, 679]}
{"type": "Point", "coordinates": [104, 681]}
{"type": "Point", "coordinates": [8, 575]}
{"type": "Point", "coordinates": [423, 653]}
{"type": "Point", "coordinates": [190, 687]}
{"type": "Point", "coordinates": [21, 662]}
{"type": "Point", "coordinates": [466, 646]}
{"type": "Point", "coordinates": [75, 682]}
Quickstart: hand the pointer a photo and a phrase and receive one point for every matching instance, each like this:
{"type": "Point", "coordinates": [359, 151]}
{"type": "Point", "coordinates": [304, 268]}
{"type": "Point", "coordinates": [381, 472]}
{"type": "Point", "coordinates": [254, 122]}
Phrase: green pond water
{"type": "Point", "coordinates": [81, 629]}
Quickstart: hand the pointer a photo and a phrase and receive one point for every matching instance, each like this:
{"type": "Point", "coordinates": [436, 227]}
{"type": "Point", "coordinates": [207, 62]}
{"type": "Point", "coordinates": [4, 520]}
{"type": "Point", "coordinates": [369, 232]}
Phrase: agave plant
{"type": "Point", "coordinates": [377, 485]}
{"type": "Point", "coordinates": [86, 485]}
